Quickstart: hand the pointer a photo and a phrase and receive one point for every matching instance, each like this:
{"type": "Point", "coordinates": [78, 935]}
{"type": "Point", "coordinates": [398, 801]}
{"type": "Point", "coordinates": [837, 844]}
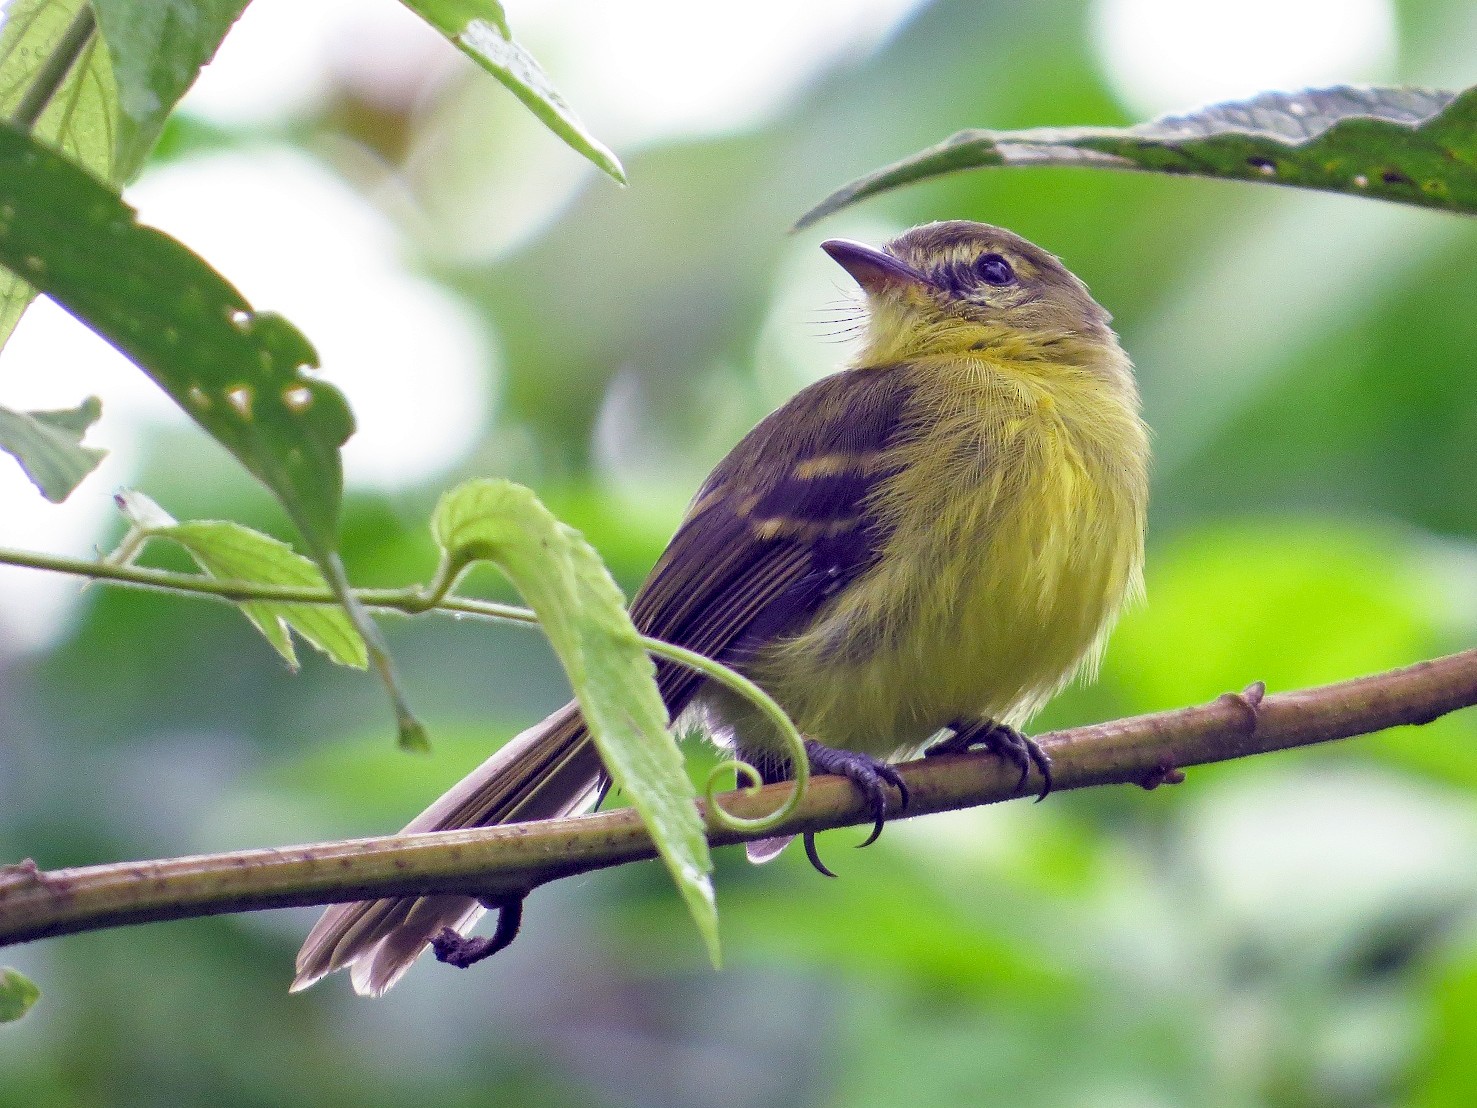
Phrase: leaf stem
{"type": "Point", "coordinates": [54, 71]}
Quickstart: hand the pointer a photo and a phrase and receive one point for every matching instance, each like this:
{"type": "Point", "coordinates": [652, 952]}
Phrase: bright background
{"type": "Point", "coordinates": [1292, 930]}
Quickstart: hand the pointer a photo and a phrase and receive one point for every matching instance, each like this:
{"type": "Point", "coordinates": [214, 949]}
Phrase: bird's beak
{"type": "Point", "coordinates": [875, 270]}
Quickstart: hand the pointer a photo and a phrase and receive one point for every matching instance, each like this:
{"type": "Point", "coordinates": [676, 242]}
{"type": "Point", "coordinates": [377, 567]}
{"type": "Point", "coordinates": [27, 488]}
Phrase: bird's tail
{"type": "Point", "coordinates": [550, 770]}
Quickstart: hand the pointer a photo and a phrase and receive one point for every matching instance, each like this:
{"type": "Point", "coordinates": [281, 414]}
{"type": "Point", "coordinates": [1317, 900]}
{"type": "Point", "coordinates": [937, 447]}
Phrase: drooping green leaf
{"type": "Point", "coordinates": [238, 373]}
{"type": "Point", "coordinates": [1411, 145]}
{"type": "Point", "coordinates": [157, 48]}
{"type": "Point", "coordinates": [479, 28]}
{"type": "Point", "coordinates": [41, 44]}
{"type": "Point", "coordinates": [584, 616]}
{"type": "Point", "coordinates": [231, 552]}
{"type": "Point", "coordinates": [17, 994]}
{"type": "Point", "coordinates": [48, 446]}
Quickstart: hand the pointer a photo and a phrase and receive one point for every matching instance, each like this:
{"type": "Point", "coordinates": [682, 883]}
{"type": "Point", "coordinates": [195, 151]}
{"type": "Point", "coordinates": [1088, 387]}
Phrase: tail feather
{"type": "Point", "coordinates": [765, 850]}
{"type": "Point", "coordinates": [550, 770]}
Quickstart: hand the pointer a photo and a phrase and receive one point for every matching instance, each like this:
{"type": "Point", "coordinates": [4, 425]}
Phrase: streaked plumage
{"type": "Point", "coordinates": [945, 531]}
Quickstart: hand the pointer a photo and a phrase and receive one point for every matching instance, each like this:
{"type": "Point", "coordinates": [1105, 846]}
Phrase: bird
{"type": "Point", "coordinates": [913, 554]}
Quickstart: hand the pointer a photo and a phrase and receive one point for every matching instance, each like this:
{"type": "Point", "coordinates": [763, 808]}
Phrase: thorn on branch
{"type": "Point", "coordinates": [25, 870]}
{"type": "Point", "coordinates": [1422, 718]}
{"type": "Point", "coordinates": [1165, 773]}
{"type": "Point", "coordinates": [1248, 703]}
{"type": "Point", "coordinates": [461, 951]}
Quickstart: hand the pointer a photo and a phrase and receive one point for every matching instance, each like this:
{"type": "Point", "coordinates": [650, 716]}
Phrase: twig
{"type": "Point", "coordinates": [498, 861]}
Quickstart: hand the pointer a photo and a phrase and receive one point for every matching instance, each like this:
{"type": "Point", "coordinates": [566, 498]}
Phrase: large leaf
{"type": "Point", "coordinates": [49, 447]}
{"type": "Point", "coordinates": [17, 994]}
{"type": "Point", "coordinates": [157, 48]}
{"type": "Point", "coordinates": [44, 42]}
{"type": "Point", "coordinates": [239, 374]}
{"type": "Point", "coordinates": [1415, 146]}
{"type": "Point", "coordinates": [480, 29]}
{"type": "Point", "coordinates": [232, 552]}
{"type": "Point", "coordinates": [584, 616]}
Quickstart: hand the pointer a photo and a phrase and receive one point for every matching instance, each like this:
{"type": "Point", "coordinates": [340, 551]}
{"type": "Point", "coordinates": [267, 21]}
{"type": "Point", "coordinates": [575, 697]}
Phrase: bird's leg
{"type": "Point", "coordinates": [461, 951]}
{"type": "Point", "coordinates": [1004, 742]}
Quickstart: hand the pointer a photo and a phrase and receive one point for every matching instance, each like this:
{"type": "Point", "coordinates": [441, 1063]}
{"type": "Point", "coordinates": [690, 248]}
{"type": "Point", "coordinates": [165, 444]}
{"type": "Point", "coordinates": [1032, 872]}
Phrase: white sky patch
{"type": "Point", "coordinates": [636, 71]}
{"type": "Point", "coordinates": [1169, 55]}
{"type": "Point", "coordinates": [658, 69]}
{"type": "Point", "coordinates": [283, 56]}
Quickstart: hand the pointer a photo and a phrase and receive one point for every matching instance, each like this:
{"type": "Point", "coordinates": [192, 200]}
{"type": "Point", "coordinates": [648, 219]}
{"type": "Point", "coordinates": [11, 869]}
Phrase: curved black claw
{"type": "Point", "coordinates": [870, 776]}
{"type": "Point", "coordinates": [815, 857]}
{"type": "Point", "coordinates": [1004, 742]}
{"type": "Point", "coordinates": [461, 951]}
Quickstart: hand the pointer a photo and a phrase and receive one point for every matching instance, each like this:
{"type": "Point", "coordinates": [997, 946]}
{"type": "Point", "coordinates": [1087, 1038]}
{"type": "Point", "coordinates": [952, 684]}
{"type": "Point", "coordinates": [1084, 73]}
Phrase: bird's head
{"type": "Point", "coordinates": [956, 287]}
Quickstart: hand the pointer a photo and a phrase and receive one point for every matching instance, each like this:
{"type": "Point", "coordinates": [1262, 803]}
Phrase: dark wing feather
{"type": "Point", "coordinates": [767, 540]}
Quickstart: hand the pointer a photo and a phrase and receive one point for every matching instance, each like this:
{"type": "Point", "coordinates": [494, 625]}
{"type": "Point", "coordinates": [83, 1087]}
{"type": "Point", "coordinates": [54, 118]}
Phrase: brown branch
{"type": "Point", "coordinates": [498, 862]}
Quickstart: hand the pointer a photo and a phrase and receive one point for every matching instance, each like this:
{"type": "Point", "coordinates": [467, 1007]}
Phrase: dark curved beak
{"type": "Point", "coordinates": [875, 270]}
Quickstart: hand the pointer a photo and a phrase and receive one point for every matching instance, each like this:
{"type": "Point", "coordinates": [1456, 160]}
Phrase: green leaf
{"type": "Point", "coordinates": [239, 374]}
{"type": "Point", "coordinates": [1411, 145]}
{"type": "Point", "coordinates": [48, 445]}
{"type": "Point", "coordinates": [17, 994]}
{"type": "Point", "coordinates": [231, 552]}
{"type": "Point", "coordinates": [479, 28]}
{"type": "Point", "coordinates": [584, 616]}
{"type": "Point", "coordinates": [157, 48]}
{"type": "Point", "coordinates": [48, 62]}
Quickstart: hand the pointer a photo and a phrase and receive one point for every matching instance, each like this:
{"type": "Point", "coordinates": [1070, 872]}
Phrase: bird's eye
{"type": "Point", "coordinates": [993, 269]}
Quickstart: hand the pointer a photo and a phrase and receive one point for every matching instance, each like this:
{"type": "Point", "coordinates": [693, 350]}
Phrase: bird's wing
{"type": "Point", "coordinates": [780, 526]}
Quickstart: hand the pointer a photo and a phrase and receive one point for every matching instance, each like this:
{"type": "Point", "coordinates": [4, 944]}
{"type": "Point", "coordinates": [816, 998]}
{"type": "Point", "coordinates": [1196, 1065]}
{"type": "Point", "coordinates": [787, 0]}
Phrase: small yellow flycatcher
{"type": "Point", "coordinates": [935, 539]}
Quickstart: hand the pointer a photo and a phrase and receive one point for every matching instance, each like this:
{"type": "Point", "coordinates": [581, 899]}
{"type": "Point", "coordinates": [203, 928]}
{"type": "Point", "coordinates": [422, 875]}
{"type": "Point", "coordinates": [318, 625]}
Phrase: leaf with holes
{"type": "Point", "coordinates": [17, 994]}
{"type": "Point", "coordinates": [582, 612]}
{"type": "Point", "coordinates": [48, 446]}
{"type": "Point", "coordinates": [238, 373]}
{"type": "Point", "coordinates": [479, 28]}
{"type": "Point", "coordinates": [1411, 145]}
{"type": "Point", "coordinates": [231, 552]}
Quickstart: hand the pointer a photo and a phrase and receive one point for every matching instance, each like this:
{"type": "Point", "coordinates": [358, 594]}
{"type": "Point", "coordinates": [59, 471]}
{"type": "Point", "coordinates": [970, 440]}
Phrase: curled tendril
{"type": "Point", "coordinates": [753, 780]}
{"type": "Point", "coordinates": [794, 744]}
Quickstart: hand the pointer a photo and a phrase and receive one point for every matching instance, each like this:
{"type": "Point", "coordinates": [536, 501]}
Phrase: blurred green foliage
{"type": "Point", "coordinates": [1294, 930]}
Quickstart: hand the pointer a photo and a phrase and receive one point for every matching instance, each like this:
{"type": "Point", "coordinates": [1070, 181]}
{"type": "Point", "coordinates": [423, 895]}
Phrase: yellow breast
{"type": "Point", "coordinates": [1016, 536]}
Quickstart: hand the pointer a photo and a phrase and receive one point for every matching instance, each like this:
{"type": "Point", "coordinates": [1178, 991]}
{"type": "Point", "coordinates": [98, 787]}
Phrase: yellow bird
{"type": "Point", "coordinates": [935, 539]}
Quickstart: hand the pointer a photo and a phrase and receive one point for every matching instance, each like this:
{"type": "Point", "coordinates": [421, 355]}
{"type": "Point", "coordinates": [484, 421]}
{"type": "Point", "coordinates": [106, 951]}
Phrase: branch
{"type": "Point", "coordinates": [507, 861]}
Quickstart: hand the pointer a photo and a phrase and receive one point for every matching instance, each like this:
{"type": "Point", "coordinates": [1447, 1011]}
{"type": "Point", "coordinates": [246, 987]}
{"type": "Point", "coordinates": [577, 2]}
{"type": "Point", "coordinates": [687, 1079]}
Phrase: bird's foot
{"type": "Point", "coordinates": [870, 775]}
{"type": "Point", "coordinates": [1004, 742]}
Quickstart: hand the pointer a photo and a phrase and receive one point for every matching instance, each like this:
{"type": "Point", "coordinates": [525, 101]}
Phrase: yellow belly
{"type": "Point", "coordinates": [1017, 537]}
